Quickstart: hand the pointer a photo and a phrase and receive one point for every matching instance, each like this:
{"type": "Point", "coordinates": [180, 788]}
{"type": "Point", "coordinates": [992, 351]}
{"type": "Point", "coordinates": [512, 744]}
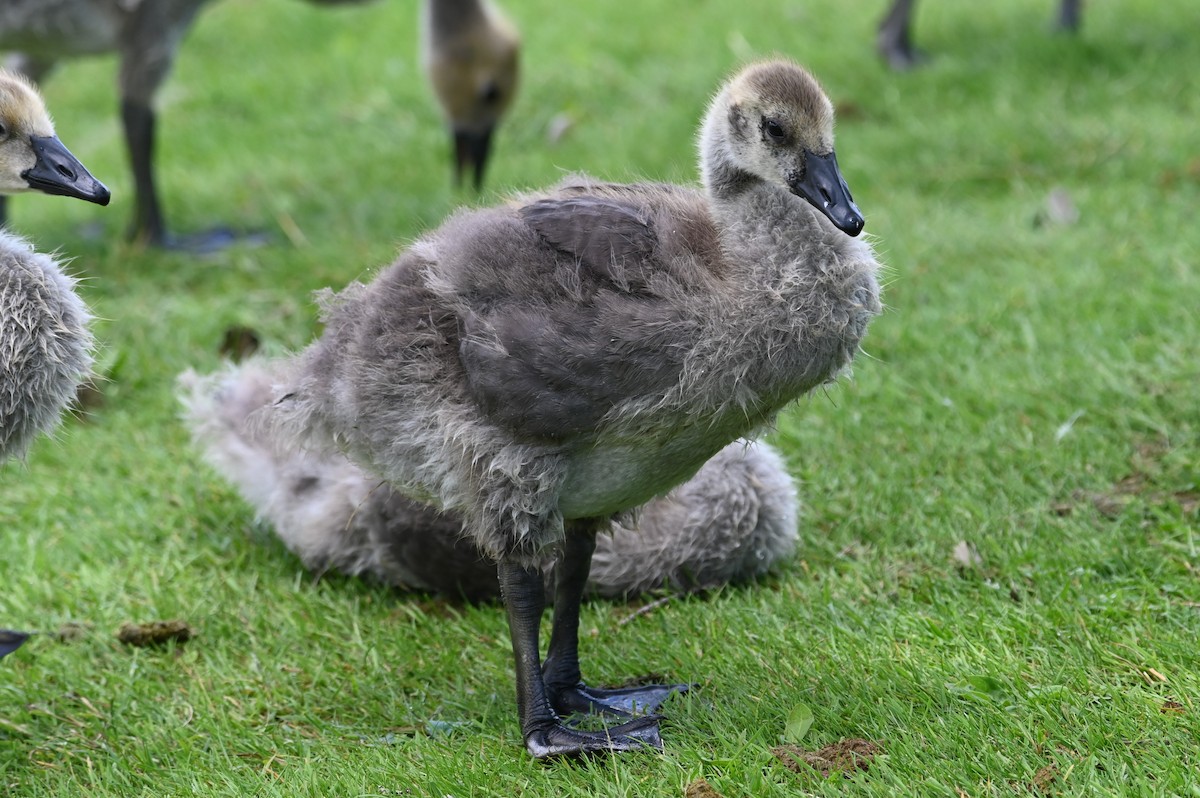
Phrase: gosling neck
{"type": "Point", "coordinates": [723, 178]}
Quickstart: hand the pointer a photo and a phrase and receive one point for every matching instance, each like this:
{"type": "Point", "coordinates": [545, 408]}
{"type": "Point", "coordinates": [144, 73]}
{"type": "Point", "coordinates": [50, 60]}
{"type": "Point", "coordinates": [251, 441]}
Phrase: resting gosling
{"type": "Point", "coordinates": [543, 367]}
{"type": "Point", "coordinates": [728, 524]}
{"type": "Point", "coordinates": [45, 345]}
{"type": "Point", "coordinates": [470, 53]}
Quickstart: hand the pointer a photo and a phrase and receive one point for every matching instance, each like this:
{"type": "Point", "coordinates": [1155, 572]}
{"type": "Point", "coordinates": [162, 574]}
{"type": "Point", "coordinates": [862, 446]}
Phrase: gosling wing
{"type": "Point", "coordinates": [610, 237]}
{"type": "Point", "coordinates": [555, 370]}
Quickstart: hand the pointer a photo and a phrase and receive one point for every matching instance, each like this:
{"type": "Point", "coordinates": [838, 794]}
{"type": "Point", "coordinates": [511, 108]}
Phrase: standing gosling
{"type": "Point", "coordinates": [470, 52]}
{"type": "Point", "coordinates": [544, 367]}
{"type": "Point", "coordinates": [729, 523]}
{"type": "Point", "coordinates": [45, 345]}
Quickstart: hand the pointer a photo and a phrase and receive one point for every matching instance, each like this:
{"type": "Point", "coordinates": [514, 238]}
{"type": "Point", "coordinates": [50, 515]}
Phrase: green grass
{"type": "Point", "coordinates": [1052, 661]}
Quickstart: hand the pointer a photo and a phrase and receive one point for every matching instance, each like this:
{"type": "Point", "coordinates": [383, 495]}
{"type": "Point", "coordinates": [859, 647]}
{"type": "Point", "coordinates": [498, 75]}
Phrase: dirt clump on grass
{"type": "Point", "coordinates": [1043, 780]}
{"type": "Point", "coordinates": [72, 631]}
{"type": "Point", "coordinates": [701, 789]}
{"type": "Point", "coordinates": [844, 756]}
{"type": "Point", "coordinates": [154, 633]}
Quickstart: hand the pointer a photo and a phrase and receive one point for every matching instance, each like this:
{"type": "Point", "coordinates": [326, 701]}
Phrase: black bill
{"type": "Point", "coordinates": [823, 186]}
{"type": "Point", "coordinates": [59, 172]}
{"type": "Point", "coordinates": [471, 150]}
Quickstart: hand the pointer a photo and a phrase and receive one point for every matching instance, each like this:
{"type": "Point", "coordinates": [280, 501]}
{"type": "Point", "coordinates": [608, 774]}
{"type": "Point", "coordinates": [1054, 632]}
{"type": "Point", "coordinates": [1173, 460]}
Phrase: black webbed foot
{"type": "Point", "coordinates": [206, 242]}
{"type": "Point", "coordinates": [10, 641]}
{"type": "Point", "coordinates": [556, 739]}
{"type": "Point", "coordinates": [622, 702]}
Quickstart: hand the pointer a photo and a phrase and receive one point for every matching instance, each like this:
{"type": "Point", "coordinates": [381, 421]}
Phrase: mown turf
{"type": "Point", "coordinates": [1030, 392]}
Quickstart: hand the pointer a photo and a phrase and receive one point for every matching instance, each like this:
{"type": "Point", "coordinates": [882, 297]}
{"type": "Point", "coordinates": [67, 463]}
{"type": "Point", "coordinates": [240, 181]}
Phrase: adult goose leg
{"type": "Point", "coordinates": [564, 682]}
{"type": "Point", "coordinates": [543, 730]}
{"type": "Point", "coordinates": [148, 48]}
{"type": "Point", "coordinates": [894, 38]}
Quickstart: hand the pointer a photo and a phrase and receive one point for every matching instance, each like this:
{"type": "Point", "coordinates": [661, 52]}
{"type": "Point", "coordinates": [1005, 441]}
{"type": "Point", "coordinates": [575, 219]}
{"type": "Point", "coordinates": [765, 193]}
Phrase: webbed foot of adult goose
{"type": "Point", "coordinates": [626, 702]}
{"type": "Point", "coordinates": [556, 739]}
{"type": "Point", "coordinates": [10, 641]}
{"type": "Point", "coordinates": [207, 242]}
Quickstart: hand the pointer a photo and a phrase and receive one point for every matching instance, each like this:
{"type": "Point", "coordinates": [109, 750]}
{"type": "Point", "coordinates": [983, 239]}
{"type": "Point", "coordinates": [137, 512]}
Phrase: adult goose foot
{"type": "Point", "coordinates": [205, 242]}
{"type": "Point", "coordinates": [10, 641]}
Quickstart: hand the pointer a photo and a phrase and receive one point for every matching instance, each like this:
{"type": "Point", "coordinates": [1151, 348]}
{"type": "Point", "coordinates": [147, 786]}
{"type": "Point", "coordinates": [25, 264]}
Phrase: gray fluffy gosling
{"type": "Point", "coordinates": [45, 345]}
{"type": "Point", "coordinates": [728, 524]}
{"type": "Point", "coordinates": [544, 367]}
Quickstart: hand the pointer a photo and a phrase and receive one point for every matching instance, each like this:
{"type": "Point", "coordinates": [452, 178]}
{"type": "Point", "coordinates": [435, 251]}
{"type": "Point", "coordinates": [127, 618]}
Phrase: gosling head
{"type": "Point", "coordinates": [773, 122]}
{"type": "Point", "coordinates": [472, 64]}
{"type": "Point", "coordinates": [31, 156]}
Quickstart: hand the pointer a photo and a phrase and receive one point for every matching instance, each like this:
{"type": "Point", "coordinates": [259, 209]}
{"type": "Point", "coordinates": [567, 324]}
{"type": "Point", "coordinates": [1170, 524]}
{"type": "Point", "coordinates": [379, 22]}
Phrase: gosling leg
{"type": "Point", "coordinates": [544, 732]}
{"type": "Point", "coordinates": [564, 682]}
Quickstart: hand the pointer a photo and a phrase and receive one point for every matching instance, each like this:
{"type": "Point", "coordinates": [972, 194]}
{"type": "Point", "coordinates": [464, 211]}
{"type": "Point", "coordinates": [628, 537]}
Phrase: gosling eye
{"type": "Point", "coordinates": [3, 131]}
{"type": "Point", "coordinates": [774, 131]}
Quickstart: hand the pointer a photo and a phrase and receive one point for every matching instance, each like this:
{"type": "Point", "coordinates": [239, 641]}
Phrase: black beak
{"type": "Point", "coordinates": [823, 186]}
{"type": "Point", "coordinates": [471, 150]}
{"type": "Point", "coordinates": [57, 171]}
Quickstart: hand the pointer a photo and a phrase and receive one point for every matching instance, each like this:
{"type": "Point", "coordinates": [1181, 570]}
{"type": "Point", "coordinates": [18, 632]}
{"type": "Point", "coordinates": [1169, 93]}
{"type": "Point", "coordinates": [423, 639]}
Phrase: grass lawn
{"type": "Point", "coordinates": [999, 576]}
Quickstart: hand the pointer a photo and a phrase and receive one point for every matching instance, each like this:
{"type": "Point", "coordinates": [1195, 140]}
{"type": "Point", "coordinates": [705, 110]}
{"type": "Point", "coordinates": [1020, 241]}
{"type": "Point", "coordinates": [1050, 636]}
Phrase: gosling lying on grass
{"type": "Point", "coordinates": [728, 524]}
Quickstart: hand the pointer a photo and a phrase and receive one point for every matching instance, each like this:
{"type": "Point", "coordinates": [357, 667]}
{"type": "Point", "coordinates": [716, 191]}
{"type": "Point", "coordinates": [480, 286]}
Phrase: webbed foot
{"type": "Point", "coordinates": [208, 241]}
{"type": "Point", "coordinates": [555, 739]}
{"type": "Point", "coordinates": [10, 641]}
{"type": "Point", "coordinates": [625, 702]}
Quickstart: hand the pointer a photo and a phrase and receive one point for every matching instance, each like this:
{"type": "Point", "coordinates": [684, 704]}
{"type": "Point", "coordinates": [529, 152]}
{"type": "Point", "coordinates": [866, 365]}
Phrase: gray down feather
{"type": "Point", "coordinates": [45, 345]}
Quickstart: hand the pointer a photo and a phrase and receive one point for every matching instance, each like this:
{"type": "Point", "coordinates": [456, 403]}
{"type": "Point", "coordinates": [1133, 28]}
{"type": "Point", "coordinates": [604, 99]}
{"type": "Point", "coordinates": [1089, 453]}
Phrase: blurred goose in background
{"type": "Point", "coordinates": [894, 39]}
{"type": "Point", "coordinates": [728, 524]}
{"type": "Point", "coordinates": [45, 345]}
{"type": "Point", "coordinates": [470, 52]}
{"type": "Point", "coordinates": [544, 367]}
{"type": "Point", "coordinates": [146, 35]}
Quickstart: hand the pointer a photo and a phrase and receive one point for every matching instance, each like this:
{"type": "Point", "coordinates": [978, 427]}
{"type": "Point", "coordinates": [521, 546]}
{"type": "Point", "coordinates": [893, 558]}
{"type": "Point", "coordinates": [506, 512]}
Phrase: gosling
{"type": "Point", "coordinates": [44, 341]}
{"type": "Point", "coordinates": [544, 367]}
{"type": "Point", "coordinates": [730, 523]}
{"type": "Point", "coordinates": [45, 344]}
